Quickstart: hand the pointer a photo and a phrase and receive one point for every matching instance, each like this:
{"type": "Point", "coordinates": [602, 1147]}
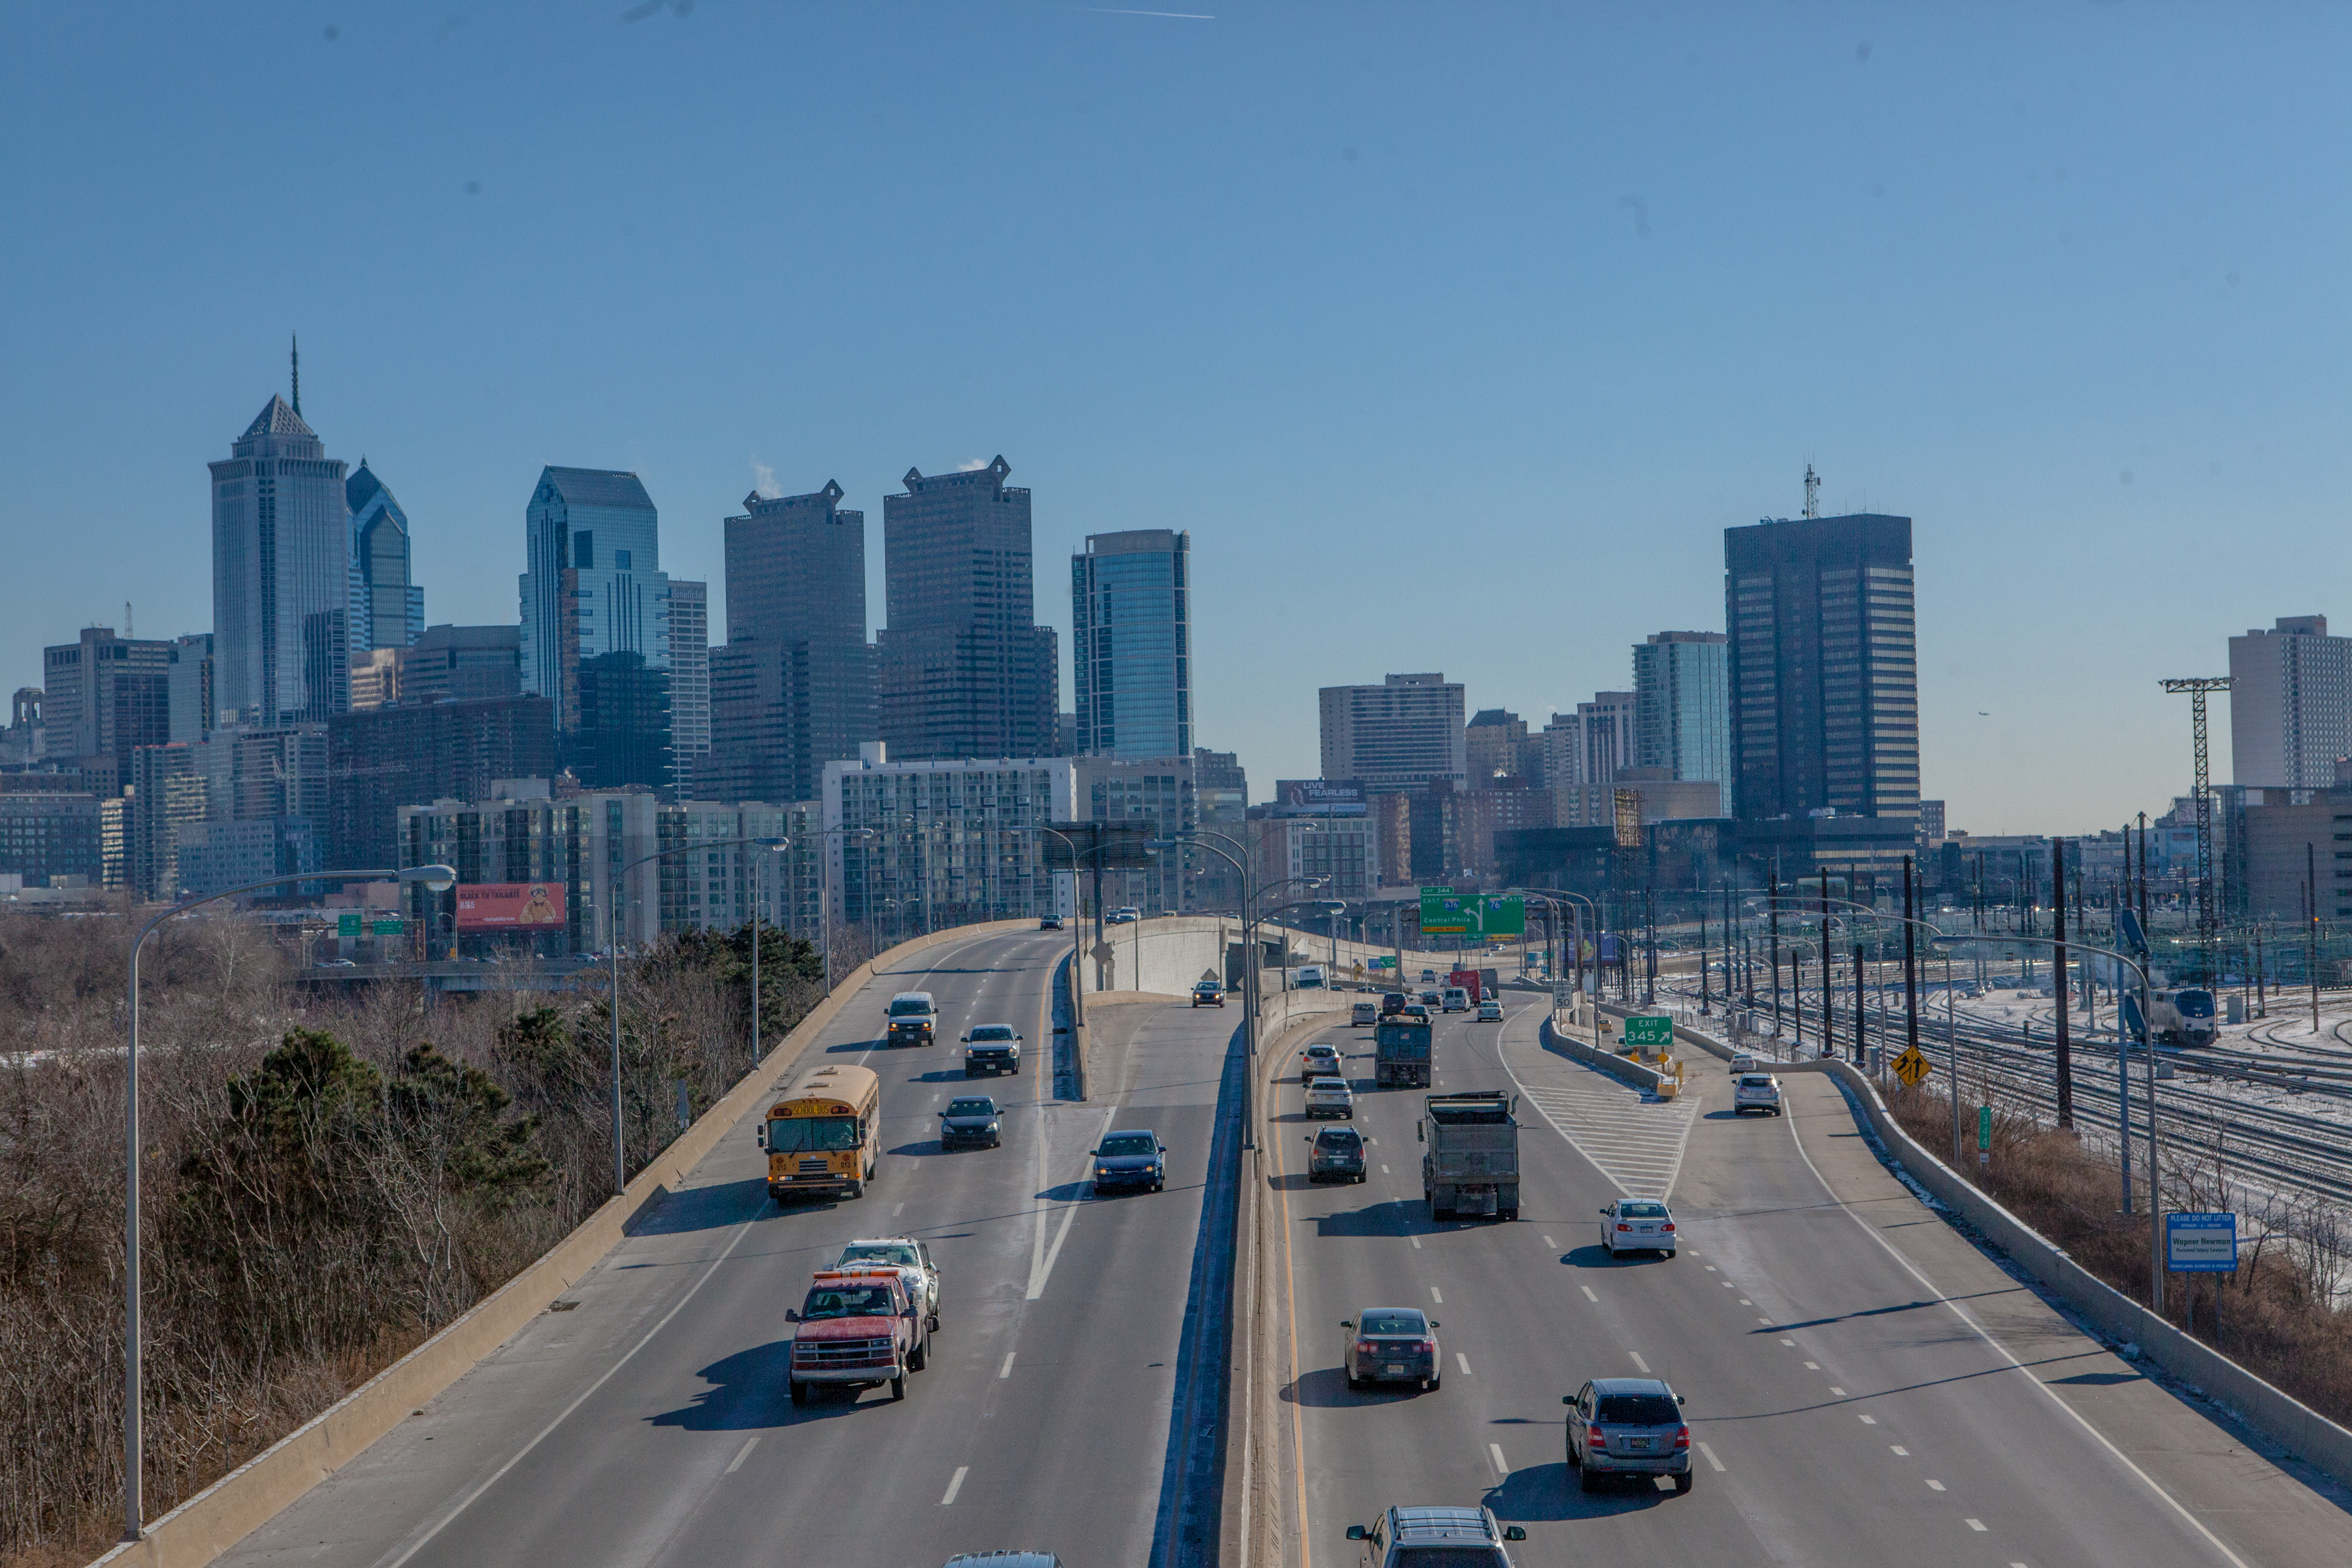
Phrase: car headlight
{"type": "Point", "coordinates": [990, 1127]}
{"type": "Point", "coordinates": [1102, 1169]}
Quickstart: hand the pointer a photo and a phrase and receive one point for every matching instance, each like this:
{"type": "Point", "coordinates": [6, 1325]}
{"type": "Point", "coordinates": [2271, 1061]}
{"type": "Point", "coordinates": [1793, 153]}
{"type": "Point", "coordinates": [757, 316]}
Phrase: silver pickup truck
{"type": "Point", "coordinates": [1470, 1156]}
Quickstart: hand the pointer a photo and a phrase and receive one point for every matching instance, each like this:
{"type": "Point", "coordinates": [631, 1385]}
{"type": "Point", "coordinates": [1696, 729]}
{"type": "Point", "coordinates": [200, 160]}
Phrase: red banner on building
{"type": "Point", "coordinates": [504, 906]}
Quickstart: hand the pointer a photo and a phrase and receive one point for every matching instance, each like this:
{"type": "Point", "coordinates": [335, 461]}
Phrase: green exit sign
{"type": "Point", "coordinates": [1653, 1031]}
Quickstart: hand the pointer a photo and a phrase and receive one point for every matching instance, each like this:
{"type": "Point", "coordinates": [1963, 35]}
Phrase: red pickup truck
{"type": "Point", "coordinates": [858, 1330]}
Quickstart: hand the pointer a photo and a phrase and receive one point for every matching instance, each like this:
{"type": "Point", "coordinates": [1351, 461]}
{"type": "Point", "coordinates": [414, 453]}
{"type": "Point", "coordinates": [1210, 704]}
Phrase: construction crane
{"type": "Point", "coordinates": [2196, 686]}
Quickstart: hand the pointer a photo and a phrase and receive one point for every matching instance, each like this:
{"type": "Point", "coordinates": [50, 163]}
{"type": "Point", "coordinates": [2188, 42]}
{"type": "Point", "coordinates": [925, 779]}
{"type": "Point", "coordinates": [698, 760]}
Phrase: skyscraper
{"type": "Point", "coordinates": [792, 686]}
{"type": "Point", "coordinates": [105, 697]}
{"type": "Point", "coordinates": [1399, 735]}
{"type": "Point", "coordinates": [281, 575]}
{"type": "Point", "coordinates": [964, 669]}
{"type": "Point", "coordinates": [1131, 644]}
{"type": "Point", "coordinates": [1682, 707]}
{"type": "Point", "coordinates": [387, 606]}
{"type": "Point", "coordinates": [689, 680]}
{"type": "Point", "coordinates": [1822, 668]}
{"type": "Point", "coordinates": [2290, 704]}
{"type": "Point", "coordinates": [596, 624]}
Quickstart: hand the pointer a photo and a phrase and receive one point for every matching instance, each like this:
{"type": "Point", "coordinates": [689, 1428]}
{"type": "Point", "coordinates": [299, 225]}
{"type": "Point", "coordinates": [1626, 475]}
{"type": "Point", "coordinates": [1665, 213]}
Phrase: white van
{"type": "Point", "coordinates": [1310, 977]}
{"type": "Point", "coordinates": [1456, 999]}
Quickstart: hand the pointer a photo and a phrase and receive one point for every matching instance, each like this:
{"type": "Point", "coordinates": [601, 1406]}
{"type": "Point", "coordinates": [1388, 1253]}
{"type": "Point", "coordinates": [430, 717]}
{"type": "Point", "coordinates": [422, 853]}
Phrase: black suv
{"type": "Point", "coordinates": [1337, 1155]}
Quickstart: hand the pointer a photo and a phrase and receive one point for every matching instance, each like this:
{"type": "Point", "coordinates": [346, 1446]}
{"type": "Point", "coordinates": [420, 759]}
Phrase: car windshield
{"type": "Point", "coordinates": [847, 1301]}
{"type": "Point", "coordinates": [1640, 1211]}
{"type": "Point", "coordinates": [1393, 1323]}
{"type": "Point", "coordinates": [801, 1135]}
{"type": "Point", "coordinates": [1119, 1143]}
{"type": "Point", "coordinates": [892, 1252]}
{"type": "Point", "coordinates": [909, 1007]}
{"type": "Point", "coordinates": [1346, 1139]}
{"type": "Point", "coordinates": [1638, 1410]}
{"type": "Point", "coordinates": [1328, 1086]}
{"type": "Point", "coordinates": [993, 1032]}
{"type": "Point", "coordinates": [1755, 1080]}
{"type": "Point", "coordinates": [981, 1107]}
{"type": "Point", "coordinates": [1448, 1557]}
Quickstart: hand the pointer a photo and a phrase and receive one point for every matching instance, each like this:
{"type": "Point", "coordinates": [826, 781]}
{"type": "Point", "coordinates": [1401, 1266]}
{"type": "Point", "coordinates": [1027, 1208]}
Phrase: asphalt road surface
{"type": "Point", "coordinates": [651, 1424]}
{"type": "Point", "coordinates": [1849, 1406]}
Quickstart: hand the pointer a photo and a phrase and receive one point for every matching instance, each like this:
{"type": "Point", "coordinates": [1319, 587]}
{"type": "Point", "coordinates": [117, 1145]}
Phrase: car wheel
{"type": "Point", "coordinates": [969, 1074]}
{"type": "Point", "coordinates": [1512, 1213]}
{"type": "Point", "coordinates": [1360, 1175]}
{"type": "Point", "coordinates": [1355, 1383]}
{"type": "Point", "coordinates": [1684, 1481]}
{"type": "Point", "coordinates": [1429, 1384]}
{"type": "Point", "coordinates": [800, 1392]}
{"type": "Point", "coordinates": [897, 1388]}
{"type": "Point", "coordinates": [1159, 1187]}
{"type": "Point", "coordinates": [919, 1358]}
{"type": "Point", "coordinates": [855, 1190]}
{"type": "Point", "coordinates": [1587, 1479]}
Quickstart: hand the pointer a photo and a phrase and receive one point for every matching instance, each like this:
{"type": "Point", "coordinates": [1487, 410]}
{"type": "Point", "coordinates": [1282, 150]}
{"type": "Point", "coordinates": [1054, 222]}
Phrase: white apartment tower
{"type": "Point", "coordinates": [2290, 704]}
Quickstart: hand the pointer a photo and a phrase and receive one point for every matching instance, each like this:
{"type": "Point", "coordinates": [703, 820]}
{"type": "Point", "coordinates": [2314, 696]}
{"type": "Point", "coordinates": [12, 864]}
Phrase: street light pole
{"type": "Point", "coordinates": [438, 879]}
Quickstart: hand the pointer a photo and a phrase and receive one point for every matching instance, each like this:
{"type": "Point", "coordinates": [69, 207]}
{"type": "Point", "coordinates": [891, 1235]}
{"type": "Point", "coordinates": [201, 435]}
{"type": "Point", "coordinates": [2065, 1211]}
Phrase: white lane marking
{"type": "Point", "coordinates": [1870, 1420]}
{"type": "Point", "coordinates": [1962, 1314]}
{"type": "Point", "coordinates": [1788, 1342]}
{"type": "Point", "coordinates": [1836, 1390]}
{"type": "Point", "coordinates": [1900, 1451]}
{"type": "Point", "coordinates": [1384, 1170]}
{"type": "Point", "coordinates": [1710, 1268]}
{"type": "Point", "coordinates": [581, 1398]}
{"type": "Point", "coordinates": [1746, 1303]}
{"type": "Point", "coordinates": [1974, 1523]}
{"type": "Point", "coordinates": [1636, 1144]}
{"type": "Point", "coordinates": [1550, 1243]}
{"type": "Point", "coordinates": [1640, 1365]}
{"type": "Point", "coordinates": [955, 1486]}
{"type": "Point", "coordinates": [1935, 1485]}
{"type": "Point", "coordinates": [1711, 1458]}
{"type": "Point", "coordinates": [1006, 1370]}
{"type": "Point", "coordinates": [743, 1453]}
{"type": "Point", "coordinates": [1812, 1366]}
{"type": "Point", "coordinates": [1766, 1321]}
{"type": "Point", "coordinates": [1042, 1258]}
{"type": "Point", "coordinates": [1495, 1450]}
{"type": "Point", "coordinates": [1589, 1294]}
{"type": "Point", "coordinates": [1729, 1286]}
{"type": "Point", "coordinates": [1436, 1296]}
{"type": "Point", "coordinates": [1416, 1243]}
{"type": "Point", "coordinates": [1464, 1363]}
{"type": "Point", "coordinates": [895, 1212]}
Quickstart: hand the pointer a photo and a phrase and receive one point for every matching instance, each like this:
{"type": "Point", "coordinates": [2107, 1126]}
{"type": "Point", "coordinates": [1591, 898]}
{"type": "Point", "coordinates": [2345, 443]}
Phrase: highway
{"type": "Point", "coordinates": [1863, 1386]}
{"type": "Point", "coordinates": [650, 1423]}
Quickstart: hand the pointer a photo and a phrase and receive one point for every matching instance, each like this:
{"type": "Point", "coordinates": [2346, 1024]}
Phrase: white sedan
{"type": "Point", "coordinates": [1638, 1225]}
{"type": "Point", "coordinates": [1331, 1097]}
{"type": "Point", "coordinates": [1490, 1011]}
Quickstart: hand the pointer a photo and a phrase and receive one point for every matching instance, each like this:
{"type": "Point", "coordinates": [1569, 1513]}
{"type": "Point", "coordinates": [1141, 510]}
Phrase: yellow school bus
{"type": "Point", "coordinates": [824, 1135]}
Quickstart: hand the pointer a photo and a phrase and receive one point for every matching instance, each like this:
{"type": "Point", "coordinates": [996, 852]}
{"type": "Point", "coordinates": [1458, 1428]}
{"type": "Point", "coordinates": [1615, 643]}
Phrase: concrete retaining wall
{"type": "Point", "coordinates": [1169, 955]}
{"type": "Point", "coordinates": [1623, 1069]}
{"type": "Point", "coordinates": [224, 1514]}
{"type": "Point", "coordinates": [2294, 1425]}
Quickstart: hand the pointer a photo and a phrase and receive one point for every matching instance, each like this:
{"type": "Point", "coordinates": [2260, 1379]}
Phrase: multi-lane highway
{"type": "Point", "coordinates": [650, 1423]}
{"type": "Point", "coordinates": [1862, 1386]}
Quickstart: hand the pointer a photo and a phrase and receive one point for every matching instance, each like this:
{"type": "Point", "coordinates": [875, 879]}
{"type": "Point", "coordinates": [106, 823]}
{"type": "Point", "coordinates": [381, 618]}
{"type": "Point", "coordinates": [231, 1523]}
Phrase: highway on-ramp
{"type": "Point", "coordinates": [1850, 1404]}
{"type": "Point", "coordinates": [650, 1423]}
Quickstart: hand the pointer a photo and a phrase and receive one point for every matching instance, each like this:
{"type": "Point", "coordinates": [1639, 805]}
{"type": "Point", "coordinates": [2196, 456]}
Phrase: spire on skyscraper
{"type": "Point", "coordinates": [298, 373]}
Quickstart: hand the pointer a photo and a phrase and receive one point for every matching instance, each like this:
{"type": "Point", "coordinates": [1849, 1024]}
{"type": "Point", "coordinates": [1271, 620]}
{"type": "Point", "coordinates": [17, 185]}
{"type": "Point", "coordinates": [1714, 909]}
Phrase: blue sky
{"type": "Point", "coordinates": [1456, 334]}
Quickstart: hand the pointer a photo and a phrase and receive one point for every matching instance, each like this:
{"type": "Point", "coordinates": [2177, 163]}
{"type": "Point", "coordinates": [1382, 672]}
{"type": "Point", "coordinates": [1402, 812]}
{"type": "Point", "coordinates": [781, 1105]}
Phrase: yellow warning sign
{"type": "Point", "coordinates": [1911, 1066]}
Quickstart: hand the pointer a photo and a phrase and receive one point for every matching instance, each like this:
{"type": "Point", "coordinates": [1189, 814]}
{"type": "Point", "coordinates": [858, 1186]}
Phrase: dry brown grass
{"type": "Point", "coordinates": [2284, 1315]}
{"type": "Point", "coordinates": [287, 1261]}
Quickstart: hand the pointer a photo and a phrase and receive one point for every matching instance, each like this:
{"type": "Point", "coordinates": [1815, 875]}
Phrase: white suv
{"type": "Point", "coordinates": [1756, 1092]}
{"type": "Point", "coordinates": [1456, 1537]}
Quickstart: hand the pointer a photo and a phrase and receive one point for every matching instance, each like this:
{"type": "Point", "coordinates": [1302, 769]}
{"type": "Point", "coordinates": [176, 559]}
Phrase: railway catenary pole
{"type": "Point", "coordinates": [1910, 965]}
{"type": "Point", "coordinates": [2058, 979]}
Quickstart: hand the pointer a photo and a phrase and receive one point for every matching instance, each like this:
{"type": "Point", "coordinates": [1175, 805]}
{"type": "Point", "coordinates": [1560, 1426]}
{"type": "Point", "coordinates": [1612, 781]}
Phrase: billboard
{"type": "Point", "coordinates": [1319, 797]}
{"type": "Point", "coordinates": [510, 906]}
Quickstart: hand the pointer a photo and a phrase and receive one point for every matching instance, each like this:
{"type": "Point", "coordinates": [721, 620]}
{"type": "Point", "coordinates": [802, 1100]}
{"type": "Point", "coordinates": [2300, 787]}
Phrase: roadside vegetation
{"type": "Point", "coordinates": [328, 1177]}
{"type": "Point", "coordinates": [2285, 1314]}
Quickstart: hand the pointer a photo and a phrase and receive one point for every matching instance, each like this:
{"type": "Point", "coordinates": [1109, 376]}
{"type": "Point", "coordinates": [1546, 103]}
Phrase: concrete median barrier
{"type": "Point", "coordinates": [224, 1514]}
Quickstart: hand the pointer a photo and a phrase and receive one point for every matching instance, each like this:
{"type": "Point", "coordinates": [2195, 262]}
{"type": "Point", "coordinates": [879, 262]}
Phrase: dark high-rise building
{"type": "Point", "coordinates": [1131, 644]}
{"type": "Point", "coordinates": [596, 624]}
{"type": "Point", "coordinates": [1822, 668]}
{"type": "Point", "coordinates": [281, 575]}
{"type": "Point", "coordinates": [382, 759]}
{"type": "Point", "coordinates": [193, 709]}
{"type": "Point", "coordinates": [792, 687]}
{"type": "Point", "coordinates": [387, 606]}
{"type": "Point", "coordinates": [460, 664]}
{"type": "Point", "coordinates": [105, 697]}
{"type": "Point", "coordinates": [964, 669]}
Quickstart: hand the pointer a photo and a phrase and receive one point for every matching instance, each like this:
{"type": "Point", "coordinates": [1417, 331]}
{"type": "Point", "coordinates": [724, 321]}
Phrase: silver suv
{"type": "Point", "coordinates": [1436, 1538]}
{"type": "Point", "coordinates": [1627, 1426]}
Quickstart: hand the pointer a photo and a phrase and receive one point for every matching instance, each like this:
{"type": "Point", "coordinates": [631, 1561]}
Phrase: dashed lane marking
{"type": "Point", "coordinates": [1416, 1242]}
{"type": "Point", "coordinates": [955, 1486]}
{"type": "Point", "coordinates": [1006, 1370]}
{"type": "Point", "coordinates": [1640, 1365]}
{"type": "Point", "coordinates": [1870, 1420]}
{"type": "Point", "coordinates": [1711, 1458]}
{"type": "Point", "coordinates": [1900, 1451]}
{"type": "Point", "coordinates": [1935, 1485]}
{"type": "Point", "coordinates": [742, 1453]}
{"type": "Point", "coordinates": [1437, 1296]}
{"type": "Point", "coordinates": [1549, 1242]}
{"type": "Point", "coordinates": [1974, 1523]}
{"type": "Point", "coordinates": [1812, 1366]}
{"type": "Point", "coordinates": [1495, 1451]}
{"type": "Point", "coordinates": [1836, 1390]}
{"type": "Point", "coordinates": [1589, 1294]}
{"type": "Point", "coordinates": [1464, 1362]}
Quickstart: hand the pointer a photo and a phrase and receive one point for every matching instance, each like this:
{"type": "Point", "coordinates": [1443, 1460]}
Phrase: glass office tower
{"type": "Point", "coordinates": [1130, 640]}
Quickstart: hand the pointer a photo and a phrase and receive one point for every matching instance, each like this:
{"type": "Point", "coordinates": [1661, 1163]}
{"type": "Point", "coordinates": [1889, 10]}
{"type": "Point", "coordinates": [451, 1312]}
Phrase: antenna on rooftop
{"type": "Point", "coordinates": [1812, 485]}
{"type": "Point", "coordinates": [126, 620]}
{"type": "Point", "coordinates": [298, 377]}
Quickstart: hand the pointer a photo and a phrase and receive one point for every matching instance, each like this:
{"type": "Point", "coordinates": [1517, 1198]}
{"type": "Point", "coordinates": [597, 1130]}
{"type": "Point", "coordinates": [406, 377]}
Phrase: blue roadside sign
{"type": "Point", "coordinates": [2200, 1242]}
{"type": "Point", "coordinates": [2135, 940]}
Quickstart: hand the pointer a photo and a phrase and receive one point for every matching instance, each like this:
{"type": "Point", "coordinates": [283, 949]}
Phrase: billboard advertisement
{"type": "Point", "coordinates": [510, 906]}
{"type": "Point", "coordinates": [1319, 797]}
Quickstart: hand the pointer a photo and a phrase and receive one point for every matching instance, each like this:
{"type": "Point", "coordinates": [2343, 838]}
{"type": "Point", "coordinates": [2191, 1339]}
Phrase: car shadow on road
{"type": "Point", "coordinates": [1598, 1256]}
{"type": "Point", "coordinates": [713, 1207]}
{"type": "Point", "coordinates": [750, 1391]}
{"type": "Point", "coordinates": [1549, 1493]}
{"type": "Point", "coordinates": [1325, 1388]}
{"type": "Point", "coordinates": [855, 1045]}
{"type": "Point", "coordinates": [1398, 1216]}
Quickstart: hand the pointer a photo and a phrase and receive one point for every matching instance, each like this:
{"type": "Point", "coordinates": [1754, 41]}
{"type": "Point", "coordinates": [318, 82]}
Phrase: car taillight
{"type": "Point", "coordinates": [1622, 1225]}
{"type": "Point", "coordinates": [1682, 1438]}
{"type": "Point", "coordinates": [1366, 1347]}
{"type": "Point", "coordinates": [1669, 1225]}
{"type": "Point", "coordinates": [1427, 1347]}
{"type": "Point", "coordinates": [1594, 1439]}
